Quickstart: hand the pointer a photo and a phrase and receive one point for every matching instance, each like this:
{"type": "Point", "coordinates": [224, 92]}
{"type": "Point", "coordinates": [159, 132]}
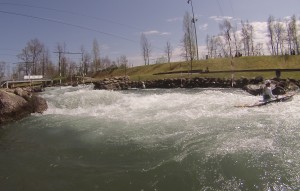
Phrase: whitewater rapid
{"type": "Point", "coordinates": [160, 114]}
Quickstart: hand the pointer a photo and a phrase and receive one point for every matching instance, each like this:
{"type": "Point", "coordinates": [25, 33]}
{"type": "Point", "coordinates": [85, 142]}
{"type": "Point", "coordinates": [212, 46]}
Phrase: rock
{"type": "Point", "coordinates": [19, 103]}
{"type": "Point", "coordinates": [115, 83]}
{"type": "Point", "coordinates": [39, 104]}
{"type": "Point", "coordinates": [12, 107]}
{"type": "Point", "coordinates": [253, 89]}
{"type": "Point", "coordinates": [253, 86]}
{"type": "Point", "coordinates": [25, 94]}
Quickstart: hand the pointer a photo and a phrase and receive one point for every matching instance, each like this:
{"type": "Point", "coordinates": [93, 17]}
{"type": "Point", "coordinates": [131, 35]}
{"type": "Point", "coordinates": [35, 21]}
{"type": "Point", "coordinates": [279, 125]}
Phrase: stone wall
{"type": "Point", "coordinates": [253, 86]}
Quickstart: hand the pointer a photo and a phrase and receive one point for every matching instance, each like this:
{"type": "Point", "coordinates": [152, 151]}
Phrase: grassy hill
{"type": "Point", "coordinates": [220, 64]}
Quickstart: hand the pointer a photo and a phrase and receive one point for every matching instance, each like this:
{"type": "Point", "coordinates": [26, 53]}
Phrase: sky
{"type": "Point", "coordinates": [117, 25]}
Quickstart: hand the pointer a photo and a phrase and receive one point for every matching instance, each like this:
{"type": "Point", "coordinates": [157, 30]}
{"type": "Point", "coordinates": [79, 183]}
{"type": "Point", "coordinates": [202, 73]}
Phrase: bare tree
{"type": "Point", "coordinates": [215, 46]}
{"type": "Point", "coordinates": [32, 56]}
{"type": "Point", "coordinates": [247, 38]}
{"type": "Point", "coordinates": [146, 49]}
{"type": "Point", "coordinates": [185, 48]}
{"type": "Point", "coordinates": [226, 29]}
{"type": "Point", "coordinates": [47, 65]}
{"type": "Point", "coordinates": [86, 59]}
{"type": "Point", "coordinates": [73, 69]}
{"type": "Point", "coordinates": [259, 49]}
{"type": "Point", "coordinates": [189, 37]}
{"type": "Point", "coordinates": [96, 56]}
{"type": "Point", "coordinates": [123, 61]}
{"type": "Point", "coordinates": [25, 56]}
{"type": "Point", "coordinates": [294, 34]}
{"type": "Point", "coordinates": [279, 36]}
{"type": "Point", "coordinates": [2, 70]}
{"type": "Point", "coordinates": [107, 63]}
{"type": "Point", "coordinates": [169, 51]}
{"type": "Point", "coordinates": [271, 33]}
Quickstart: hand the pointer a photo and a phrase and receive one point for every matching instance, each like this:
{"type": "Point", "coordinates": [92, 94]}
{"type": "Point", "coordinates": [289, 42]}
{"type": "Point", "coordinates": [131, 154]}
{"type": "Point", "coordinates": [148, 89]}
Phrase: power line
{"type": "Point", "coordinates": [220, 8]}
{"type": "Point", "coordinates": [73, 13]}
{"type": "Point", "coordinates": [73, 25]}
{"type": "Point", "coordinates": [233, 13]}
{"type": "Point", "coordinates": [69, 24]}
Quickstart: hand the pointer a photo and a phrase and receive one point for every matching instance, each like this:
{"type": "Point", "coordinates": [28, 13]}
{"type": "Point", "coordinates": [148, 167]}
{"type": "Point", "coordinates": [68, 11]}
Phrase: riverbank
{"type": "Point", "coordinates": [252, 86]}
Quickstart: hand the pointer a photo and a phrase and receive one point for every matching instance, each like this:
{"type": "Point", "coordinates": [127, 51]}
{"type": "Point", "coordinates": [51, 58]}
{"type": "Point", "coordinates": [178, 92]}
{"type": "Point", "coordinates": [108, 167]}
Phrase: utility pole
{"type": "Point", "coordinates": [194, 22]}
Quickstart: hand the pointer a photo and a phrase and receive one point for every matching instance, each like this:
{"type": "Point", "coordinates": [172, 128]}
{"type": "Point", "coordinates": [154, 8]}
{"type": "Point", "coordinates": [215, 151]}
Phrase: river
{"type": "Point", "coordinates": [161, 139]}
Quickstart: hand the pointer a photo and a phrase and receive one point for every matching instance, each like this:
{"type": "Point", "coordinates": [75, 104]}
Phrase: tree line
{"type": "Point", "coordinates": [283, 39]}
{"type": "Point", "coordinates": [35, 59]}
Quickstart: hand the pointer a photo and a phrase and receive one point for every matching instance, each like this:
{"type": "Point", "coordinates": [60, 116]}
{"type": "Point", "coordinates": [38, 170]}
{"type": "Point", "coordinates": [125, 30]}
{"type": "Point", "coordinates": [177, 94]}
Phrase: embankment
{"type": "Point", "coordinates": [252, 86]}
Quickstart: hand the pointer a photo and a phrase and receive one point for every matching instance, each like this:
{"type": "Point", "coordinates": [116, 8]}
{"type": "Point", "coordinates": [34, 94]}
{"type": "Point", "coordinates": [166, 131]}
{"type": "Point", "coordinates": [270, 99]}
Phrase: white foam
{"type": "Point", "coordinates": [148, 117]}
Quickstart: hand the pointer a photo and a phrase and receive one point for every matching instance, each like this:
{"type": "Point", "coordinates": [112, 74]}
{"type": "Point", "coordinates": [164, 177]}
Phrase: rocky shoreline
{"type": "Point", "coordinates": [252, 86]}
{"type": "Point", "coordinates": [18, 103]}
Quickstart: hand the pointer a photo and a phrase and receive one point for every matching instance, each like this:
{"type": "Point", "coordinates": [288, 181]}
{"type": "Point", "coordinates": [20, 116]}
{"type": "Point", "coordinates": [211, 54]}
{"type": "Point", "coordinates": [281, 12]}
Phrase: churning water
{"type": "Point", "coordinates": [139, 140]}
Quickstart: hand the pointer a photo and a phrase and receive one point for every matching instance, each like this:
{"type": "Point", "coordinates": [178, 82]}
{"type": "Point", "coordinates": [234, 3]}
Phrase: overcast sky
{"type": "Point", "coordinates": [117, 24]}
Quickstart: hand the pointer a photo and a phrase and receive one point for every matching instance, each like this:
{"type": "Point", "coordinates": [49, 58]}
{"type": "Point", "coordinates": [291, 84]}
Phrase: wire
{"type": "Point", "coordinates": [68, 24]}
{"type": "Point", "coordinates": [73, 13]}
{"type": "Point", "coordinates": [233, 13]}
{"type": "Point", "coordinates": [220, 8]}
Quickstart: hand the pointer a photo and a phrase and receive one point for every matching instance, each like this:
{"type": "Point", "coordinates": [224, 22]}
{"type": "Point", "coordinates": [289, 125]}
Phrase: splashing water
{"type": "Point", "coordinates": [178, 139]}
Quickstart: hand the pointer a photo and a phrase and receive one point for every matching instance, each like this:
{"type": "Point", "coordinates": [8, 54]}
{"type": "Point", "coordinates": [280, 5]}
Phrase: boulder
{"type": "Point", "coordinates": [12, 107]}
{"type": "Point", "coordinates": [19, 103]}
{"type": "Point", "coordinates": [39, 105]}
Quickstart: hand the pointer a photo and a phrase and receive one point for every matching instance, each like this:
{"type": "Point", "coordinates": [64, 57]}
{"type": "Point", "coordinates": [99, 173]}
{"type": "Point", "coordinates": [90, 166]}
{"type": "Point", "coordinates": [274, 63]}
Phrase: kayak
{"type": "Point", "coordinates": [283, 98]}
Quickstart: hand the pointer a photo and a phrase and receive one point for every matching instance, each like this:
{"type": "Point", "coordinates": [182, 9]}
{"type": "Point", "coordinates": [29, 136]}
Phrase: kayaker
{"type": "Point", "coordinates": [267, 91]}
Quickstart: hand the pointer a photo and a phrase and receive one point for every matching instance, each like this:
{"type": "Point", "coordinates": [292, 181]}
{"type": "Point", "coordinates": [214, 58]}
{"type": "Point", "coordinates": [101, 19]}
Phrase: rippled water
{"type": "Point", "coordinates": [178, 139]}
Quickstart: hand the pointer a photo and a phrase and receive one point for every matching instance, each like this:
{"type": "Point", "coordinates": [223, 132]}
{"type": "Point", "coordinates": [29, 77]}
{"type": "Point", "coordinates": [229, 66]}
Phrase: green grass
{"type": "Point", "coordinates": [243, 63]}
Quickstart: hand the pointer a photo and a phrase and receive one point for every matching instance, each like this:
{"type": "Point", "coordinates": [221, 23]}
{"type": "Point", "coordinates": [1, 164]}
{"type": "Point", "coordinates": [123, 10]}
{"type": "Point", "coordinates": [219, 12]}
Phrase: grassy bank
{"type": "Point", "coordinates": [242, 63]}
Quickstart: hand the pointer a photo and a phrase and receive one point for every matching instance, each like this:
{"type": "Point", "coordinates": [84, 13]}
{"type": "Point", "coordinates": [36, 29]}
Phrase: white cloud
{"type": "Point", "coordinates": [260, 31]}
{"type": "Point", "coordinates": [155, 32]}
{"type": "Point", "coordinates": [220, 18]}
{"type": "Point", "coordinates": [175, 19]}
{"type": "Point", "coordinates": [203, 27]}
{"type": "Point", "coordinates": [151, 32]}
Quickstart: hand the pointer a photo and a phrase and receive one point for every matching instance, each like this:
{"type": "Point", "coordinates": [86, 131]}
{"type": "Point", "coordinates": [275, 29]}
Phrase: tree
{"type": "Point", "coordinates": [169, 51]}
{"type": "Point", "coordinates": [107, 63]}
{"type": "Point", "coordinates": [271, 33]}
{"type": "Point", "coordinates": [294, 35]}
{"type": "Point", "coordinates": [226, 29]}
{"type": "Point", "coordinates": [47, 65]}
{"type": "Point", "coordinates": [123, 61]}
{"type": "Point", "coordinates": [189, 41]}
{"type": "Point", "coordinates": [237, 42]}
{"type": "Point", "coordinates": [146, 49]}
{"type": "Point", "coordinates": [2, 70]}
{"type": "Point", "coordinates": [279, 37]}
{"type": "Point", "coordinates": [215, 46]}
{"type": "Point", "coordinates": [247, 38]}
{"type": "Point", "coordinates": [32, 56]}
{"type": "Point", "coordinates": [86, 59]}
{"type": "Point", "coordinates": [25, 56]}
{"type": "Point", "coordinates": [96, 56]}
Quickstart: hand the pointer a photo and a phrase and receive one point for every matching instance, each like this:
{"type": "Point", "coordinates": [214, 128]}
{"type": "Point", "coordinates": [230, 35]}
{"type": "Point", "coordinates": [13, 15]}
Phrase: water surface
{"type": "Point", "coordinates": [178, 139]}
